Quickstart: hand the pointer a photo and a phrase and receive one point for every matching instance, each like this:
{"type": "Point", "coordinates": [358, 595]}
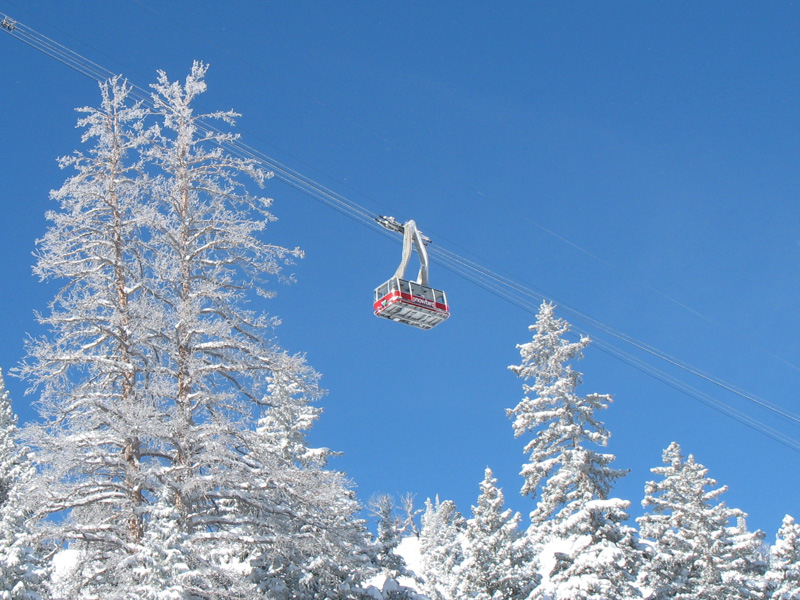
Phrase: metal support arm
{"type": "Point", "coordinates": [412, 235]}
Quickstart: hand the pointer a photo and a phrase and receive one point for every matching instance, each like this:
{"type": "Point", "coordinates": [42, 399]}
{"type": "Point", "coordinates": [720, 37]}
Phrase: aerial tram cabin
{"type": "Point", "coordinates": [414, 303]}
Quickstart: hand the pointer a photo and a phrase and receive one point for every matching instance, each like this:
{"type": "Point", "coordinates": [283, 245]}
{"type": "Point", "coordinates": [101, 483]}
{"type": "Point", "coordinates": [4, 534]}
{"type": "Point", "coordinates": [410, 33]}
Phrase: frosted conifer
{"type": "Point", "coordinates": [582, 547]}
{"type": "Point", "coordinates": [220, 362]}
{"type": "Point", "coordinates": [744, 561]}
{"type": "Point", "coordinates": [23, 570]}
{"type": "Point", "coordinates": [290, 416]}
{"type": "Point", "coordinates": [599, 555]}
{"type": "Point", "coordinates": [388, 535]}
{"type": "Point", "coordinates": [497, 562]}
{"type": "Point", "coordinates": [783, 577]}
{"type": "Point", "coordinates": [563, 472]}
{"type": "Point", "coordinates": [88, 368]}
{"type": "Point", "coordinates": [440, 549]}
{"type": "Point", "coordinates": [695, 551]}
{"type": "Point", "coordinates": [174, 424]}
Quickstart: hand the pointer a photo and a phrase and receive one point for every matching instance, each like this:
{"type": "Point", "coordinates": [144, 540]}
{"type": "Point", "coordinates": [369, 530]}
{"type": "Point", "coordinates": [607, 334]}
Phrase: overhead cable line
{"type": "Point", "coordinates": [504, 287]}
{"type": "Point", "coordinates": [61, 53]}
{"type": "Point", "coordinates": [501, 284]}
{"type": "Point", "coordinates": [96, 72]}
{"type": "Point", "coordinates": [703, 397]}
{"type": "Point", "coordinates": [528, 300]}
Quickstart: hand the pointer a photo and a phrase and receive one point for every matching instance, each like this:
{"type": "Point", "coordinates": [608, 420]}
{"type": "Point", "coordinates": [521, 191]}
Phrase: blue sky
{"type": "Point", "coordinates": [636, 162]}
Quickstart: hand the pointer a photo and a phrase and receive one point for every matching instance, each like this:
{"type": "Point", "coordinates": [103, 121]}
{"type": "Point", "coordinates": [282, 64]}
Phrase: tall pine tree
{"type": "Point", "coordinates": [600, 556]}
{"type": "Point", "coordinates": [173, 422]}
{"type": "Point", "coordinates": [577, 531]}
{"type": "Point", "coordinates": [440, 547]}
{"type": "Point", "coordinates": [221, 364]}
{"type": "Point", "coordinates": [564, 471]}
{"type": "Point", "coordinates": [91, 369]}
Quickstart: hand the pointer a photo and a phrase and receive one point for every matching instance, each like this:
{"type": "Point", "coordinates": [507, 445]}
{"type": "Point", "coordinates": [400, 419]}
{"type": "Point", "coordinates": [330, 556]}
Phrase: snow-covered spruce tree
{"type": "Point", "coordinates": [562, 472]}
{"type": "Point", "coordinates": [310, 544]}
{"type": "Point", "coordinates": [390, 529]}
{"type": "Point", "coordinates": [387, 540]}
{"type": "Point", "coordinates": [783, 577]}
{"type": "Point", "coordinates": [600, 555]}
{"type": "Point", "coordinates": [440, 549]}
{"type": "Point", "coordinates": [746, 559]}
{"type": "Point", "coordinates": [497, 562]}
{"type": "Point", "coordinates": [23, 569]}
{"type": "Point", "coordinates": [577, 531]}
{"type": "Point", "coordinates": [695, 550]}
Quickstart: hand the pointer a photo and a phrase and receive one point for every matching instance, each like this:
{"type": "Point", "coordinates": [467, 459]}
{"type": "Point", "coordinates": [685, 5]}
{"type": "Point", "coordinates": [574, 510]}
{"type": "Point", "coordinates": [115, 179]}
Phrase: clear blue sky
{"type": "Point", "coordinates": [637, 162]}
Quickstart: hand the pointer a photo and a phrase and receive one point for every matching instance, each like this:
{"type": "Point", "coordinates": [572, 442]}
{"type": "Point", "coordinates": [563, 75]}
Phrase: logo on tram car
{"type": "Point", "coordinates": [423, 301]}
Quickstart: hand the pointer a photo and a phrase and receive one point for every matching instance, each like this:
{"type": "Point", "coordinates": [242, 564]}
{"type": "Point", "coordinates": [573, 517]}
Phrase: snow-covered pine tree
{"type": "Point", "coordinates": [390, 528]}
{"type": "Point", "coordinates": [440, 549]}
{"type": "Point", "coordinates": [783, 577]}
{"type": "Point", "coordinates": [695, 550]}
{"type": "Point", "coordinates": [173, 422]}
{"type": "Point", "coordinates": [562, 471]}
{"type": "Point", "coordinates": [498, 560]}
{"type": "Point", "coordinates": [23, 570]}
{"type": "Point", "coordinates": [601, 555]}
{"type": "Point", "coordinates": [388, 535]}
{"type": "Point", "coordinates": [745, 561]}
{"type": "Point", "coordinates": [300, 533]}
{"type": "Point", "coordinates": [310, 541]}
{"type": "Point", "coordinates": [96, 412]}
{"type": "Point", "coordinates": [220, 365]}
{"type": "Point", "coordinates": [283, 427]}
{"type": "Point", "coordinates": [577, 531]}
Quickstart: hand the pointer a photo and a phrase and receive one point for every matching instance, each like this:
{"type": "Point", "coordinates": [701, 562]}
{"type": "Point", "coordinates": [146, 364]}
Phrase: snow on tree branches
{"type": "Point", "coordinates": [498, 561]}
{"type": "Point", "coordinates": [582, 547]}
{"type": "Point", "coordinates": [173, 423]}
{"type": "Point", "coordinates": [23, 568]}
{"type": "Point", "coordinates": [695, 550]}
{"type": "Point", "coordinates": [563, 472]}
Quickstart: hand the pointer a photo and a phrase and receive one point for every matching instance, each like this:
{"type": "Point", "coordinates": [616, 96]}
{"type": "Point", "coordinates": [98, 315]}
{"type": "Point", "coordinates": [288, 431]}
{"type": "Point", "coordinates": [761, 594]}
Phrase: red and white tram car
{"type": "Point", "coordinates": [414, 303]}
{"type": "Point", "coordinates": [411, 303]}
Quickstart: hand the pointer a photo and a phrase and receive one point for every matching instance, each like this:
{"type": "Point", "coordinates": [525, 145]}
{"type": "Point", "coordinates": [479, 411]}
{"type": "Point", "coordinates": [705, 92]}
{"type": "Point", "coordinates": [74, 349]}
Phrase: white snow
{"type": "Point", "coordinates": [64, 562]}
{"type": "Point", "coordinates": [408, 548]}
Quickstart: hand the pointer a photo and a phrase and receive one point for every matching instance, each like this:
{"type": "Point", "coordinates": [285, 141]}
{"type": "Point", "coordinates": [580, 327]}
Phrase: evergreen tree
{"type": "Point", "coordinates": [695, 552]}
{"type": "Point", "coordinates": [393, 566]}
{"type": "Point", "coordinates": [744, 560]}
{"type": "Point", "coordinates": [562, 472]}
{"type": "Point", "coordinates": [577, 531]}
{"type": "Point", "coordinates": [173, 423]}
{"type": "Point", "coordinates": [440, 548]}
{"type": "Point", "coordinates": [23, 570]}
{"type": "Point", "coordinates": [497, 557]}
{"type": "Point", "coordinates": [783, 577]}
{"type": "Point", "coordinates": [89, 368]}
{"type": "Point", "coordinates": [388, 537]}
{"type": "Point", "coordinates": [220, 363]}
{"type": "Point", "coordinates": [601, 556]}
{"type": "Point", "coordinates": [283, 427]}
